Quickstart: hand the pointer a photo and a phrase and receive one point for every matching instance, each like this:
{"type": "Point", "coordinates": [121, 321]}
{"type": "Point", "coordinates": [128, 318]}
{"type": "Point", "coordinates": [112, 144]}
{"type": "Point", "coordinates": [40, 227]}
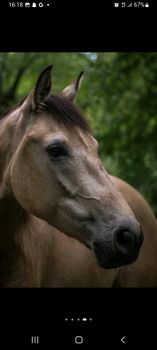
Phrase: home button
{"type": "Point", "coordinates": [78, 339]}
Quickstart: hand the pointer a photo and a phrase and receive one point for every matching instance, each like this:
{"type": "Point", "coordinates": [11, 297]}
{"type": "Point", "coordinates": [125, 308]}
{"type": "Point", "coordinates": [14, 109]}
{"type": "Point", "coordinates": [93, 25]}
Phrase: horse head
{"type": "Point", "coordinates": [55, 173]}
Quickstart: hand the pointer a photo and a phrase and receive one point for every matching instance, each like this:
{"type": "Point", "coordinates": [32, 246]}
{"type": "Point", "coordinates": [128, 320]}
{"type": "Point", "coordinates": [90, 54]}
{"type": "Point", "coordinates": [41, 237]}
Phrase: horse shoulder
{"type": "Point", "coordinates": [142, 273]}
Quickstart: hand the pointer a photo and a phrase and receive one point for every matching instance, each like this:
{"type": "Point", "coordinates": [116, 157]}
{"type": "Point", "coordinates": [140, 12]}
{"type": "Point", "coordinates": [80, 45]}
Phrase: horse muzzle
{"type": "Point", "coordinates": [122, 250]}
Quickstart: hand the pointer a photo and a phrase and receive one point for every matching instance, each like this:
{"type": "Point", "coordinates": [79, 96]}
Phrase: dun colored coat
{"type": "Point", "coordinates": [52, 181]}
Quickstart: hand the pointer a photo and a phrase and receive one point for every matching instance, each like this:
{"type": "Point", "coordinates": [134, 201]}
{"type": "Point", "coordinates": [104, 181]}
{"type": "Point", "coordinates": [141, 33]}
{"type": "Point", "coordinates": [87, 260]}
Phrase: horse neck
{"type": "Point", "coordinates": [10, 211]}
{"type": "Point", "coordinates": [7, 130]}
{"type": "Point", "coordinates": [21, 256]}
{"type": "Point", "coordinates": [9, 207]}
{"type": "Point", "coordinates": [11, 214]}
{"type": "Point", "coordinates": [11, 255]}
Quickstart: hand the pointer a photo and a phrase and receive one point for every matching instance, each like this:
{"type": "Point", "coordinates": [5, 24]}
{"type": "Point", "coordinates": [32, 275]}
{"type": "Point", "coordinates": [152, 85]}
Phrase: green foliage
{"type": "Point", "coordinates": [127, 125]}
{"type": "Point", "coordinates": [118, 96]}
{"type": "Point", "coordinates": [19, 71]}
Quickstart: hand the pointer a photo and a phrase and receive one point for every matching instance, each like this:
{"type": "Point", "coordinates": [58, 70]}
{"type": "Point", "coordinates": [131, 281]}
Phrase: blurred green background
{"type": "Point", "coordinates": [118, 96]}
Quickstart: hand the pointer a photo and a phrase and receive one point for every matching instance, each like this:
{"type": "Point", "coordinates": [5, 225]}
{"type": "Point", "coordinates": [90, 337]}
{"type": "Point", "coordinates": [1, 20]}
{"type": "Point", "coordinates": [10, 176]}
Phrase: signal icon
{"type": "Point", "coordinates": [130, 5]}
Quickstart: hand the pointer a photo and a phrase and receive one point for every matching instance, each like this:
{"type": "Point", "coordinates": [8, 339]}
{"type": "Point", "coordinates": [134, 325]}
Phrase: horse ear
{"type": "Point", "coordinates": [43, 87]}
{"type": "Point", "coordinates": [71, 90]}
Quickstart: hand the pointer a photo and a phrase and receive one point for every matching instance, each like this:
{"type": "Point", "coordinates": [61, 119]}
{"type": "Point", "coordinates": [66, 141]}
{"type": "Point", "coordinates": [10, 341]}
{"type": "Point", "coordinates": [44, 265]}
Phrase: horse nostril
{"type": "Point", "coordinates": [125, 241]}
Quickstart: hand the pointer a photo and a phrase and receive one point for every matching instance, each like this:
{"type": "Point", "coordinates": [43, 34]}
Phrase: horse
{"type": "Point", "coordinates": [63, 220]}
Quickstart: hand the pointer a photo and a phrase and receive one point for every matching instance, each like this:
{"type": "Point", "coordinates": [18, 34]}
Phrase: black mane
{"type": "Point", "coordinates": [65, 112]}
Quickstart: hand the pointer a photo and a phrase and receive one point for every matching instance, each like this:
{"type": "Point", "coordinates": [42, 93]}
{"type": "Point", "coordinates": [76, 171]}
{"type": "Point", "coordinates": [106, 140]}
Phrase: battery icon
{"type": "Point", "coordinates": [27, 4]}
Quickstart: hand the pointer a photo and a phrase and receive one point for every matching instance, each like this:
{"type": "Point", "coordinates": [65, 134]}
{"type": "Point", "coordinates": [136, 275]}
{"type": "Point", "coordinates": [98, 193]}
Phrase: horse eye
{"type": "Point", "coordinates": [57, 150]}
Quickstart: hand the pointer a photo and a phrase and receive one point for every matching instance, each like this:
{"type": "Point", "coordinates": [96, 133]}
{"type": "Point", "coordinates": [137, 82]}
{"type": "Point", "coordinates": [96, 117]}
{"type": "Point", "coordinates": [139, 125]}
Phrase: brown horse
{"type": "Point", "coordinates": [52, 179]}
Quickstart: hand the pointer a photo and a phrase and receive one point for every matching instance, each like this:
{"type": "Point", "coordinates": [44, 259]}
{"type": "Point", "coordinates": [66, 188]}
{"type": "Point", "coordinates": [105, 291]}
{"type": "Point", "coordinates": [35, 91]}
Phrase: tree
{"type": "Point", "coordinates": [124, 92]}
{"type": "Point", "coordinates": [19, 71]}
